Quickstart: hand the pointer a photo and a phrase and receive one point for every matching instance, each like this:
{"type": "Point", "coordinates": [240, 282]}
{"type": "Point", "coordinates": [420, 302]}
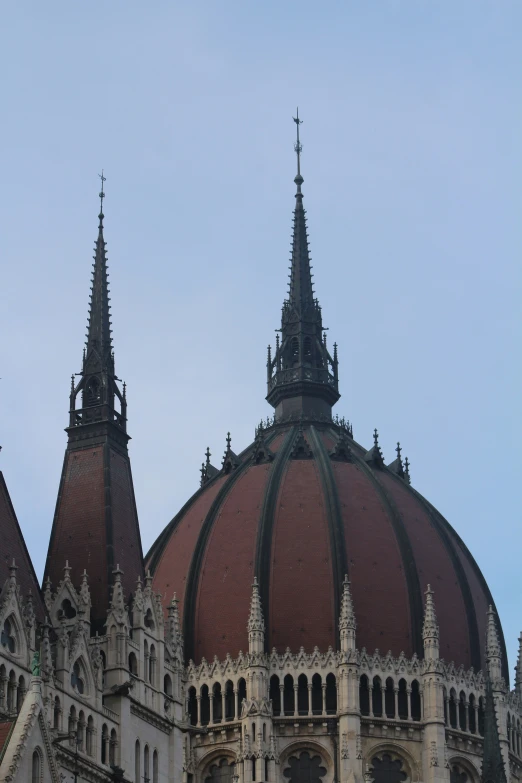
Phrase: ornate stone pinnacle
{"type": "Point", "coordinates": [347, 618]}
{"type": "Point", "coordinates": [255, 619]}
{"type": "Point", "coordinates": [430, 629]}
{"type": "Point", "coordinates": [492, 640]}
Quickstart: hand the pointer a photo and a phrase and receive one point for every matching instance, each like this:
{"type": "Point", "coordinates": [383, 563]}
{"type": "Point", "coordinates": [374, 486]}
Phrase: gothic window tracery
{"type": "Point", "coordinates": [37, 767]}
{"type": "Point", "coordinates": [222, 772]}
{"type": "Point", "coordinates": [193, 706]}
{"type": "Point", "coordinates": [305, 769]}
{"type": "Point", "coordinates": [458, 775]}
{"type": "Point", "coordinates": [66, 610]}
{"type": "Point", "coordinates": [387, 769]}
{"type": "Point", "coordinates": [8, 637]}
{"type": "Point", "coordinates": [217, 703]}
{"type": "Point", "coordinates": [364, 695]}
{"type": "Point", "coordinates": [93, 391]}
{"type": "Point", "coordinates": [77, 681]}
{"type": "Point", "coordinates": [230, 707]}
{"type": "Point", "coordinates": [275, 694]}
{"type": "Point", "coordinates": [331, 694]}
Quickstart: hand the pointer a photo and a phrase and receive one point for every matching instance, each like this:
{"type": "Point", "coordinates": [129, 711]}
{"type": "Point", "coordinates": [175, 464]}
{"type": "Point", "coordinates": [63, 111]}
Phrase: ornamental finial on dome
{"type": "Point", "coordinates": [207, 470]}
{"type": "Point", "coordinates": [396, 466]}
{"type": "Point", "coordinates": [302, 376]}
{"type": "Point", "coordinates": [374, 455]}
{"type": "Point", "coordinates": [407, 471]}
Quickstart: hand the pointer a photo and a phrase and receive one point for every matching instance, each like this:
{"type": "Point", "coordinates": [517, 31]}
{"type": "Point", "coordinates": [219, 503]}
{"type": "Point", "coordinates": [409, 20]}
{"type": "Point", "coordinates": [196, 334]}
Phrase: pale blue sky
{"type": "Point", "coordinates": [412, 167]}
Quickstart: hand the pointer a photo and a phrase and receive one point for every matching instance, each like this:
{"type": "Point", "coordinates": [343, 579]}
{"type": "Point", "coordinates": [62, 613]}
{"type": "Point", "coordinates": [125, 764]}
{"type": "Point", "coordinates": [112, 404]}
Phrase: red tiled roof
{"type": "Point", "coordinates": [5, 733]}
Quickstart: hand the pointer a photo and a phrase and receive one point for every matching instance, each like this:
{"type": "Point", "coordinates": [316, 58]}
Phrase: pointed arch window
{"type": "Point", "coordinates": [77, 679]}
{"type": "Point", "coordinates": [457, 775]}
{"type": "Point", "coordinates": [37, 767]}
{"type": "Point", "coordinates": [305, 769]}
{"type": "Point", "coordinates": [8, 636]}
{"type": "Point", "coordinates": [222, 772]}
{"type": "Point", "coordinates": [387, 769]}
{"type": "Point", "coordinates": [93, 391]}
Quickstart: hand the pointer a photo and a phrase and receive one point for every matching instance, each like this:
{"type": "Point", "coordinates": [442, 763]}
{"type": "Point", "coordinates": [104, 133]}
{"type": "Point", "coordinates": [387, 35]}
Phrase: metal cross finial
{"type": "Point", "coordinates": [102, 192]}
{"type": "Point", "coordinates": [376, 437]}
{"type": "Point", "coordinates": [207, 455]}
{"type": "Point", "coordinates": [298, 147]}
{"type": "Point", "coordinates": [398, 450]}
{"type": "Point", "coordinates": [229, 440]}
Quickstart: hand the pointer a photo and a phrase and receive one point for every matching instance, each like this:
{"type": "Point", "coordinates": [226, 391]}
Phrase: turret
{"type": "Point", "coordinates": [493, 651]}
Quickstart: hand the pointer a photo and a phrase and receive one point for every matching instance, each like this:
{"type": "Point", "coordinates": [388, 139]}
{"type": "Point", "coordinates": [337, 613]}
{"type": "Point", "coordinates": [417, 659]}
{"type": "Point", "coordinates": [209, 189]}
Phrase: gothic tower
{"type": "Point", "coordinates": [96, 523]}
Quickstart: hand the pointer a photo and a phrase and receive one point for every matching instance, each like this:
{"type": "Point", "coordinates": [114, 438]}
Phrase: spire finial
{"type": "Point", "coordinates": [208, 455]}
{"type": "Point", "coordinates": [376, 438]}
{"type": "Point", "coordinates": [398, 450]}
{"type": "Point", "coordinates": [347, 623]}
{"type": "Point", "coordinates": [407, 470]}
{"type": "Point", "coordinates": [229, 441]}
{"type": "Point", "coordinates": [102, 196]}
{"type": "Point", "coordinates": [298, 147]}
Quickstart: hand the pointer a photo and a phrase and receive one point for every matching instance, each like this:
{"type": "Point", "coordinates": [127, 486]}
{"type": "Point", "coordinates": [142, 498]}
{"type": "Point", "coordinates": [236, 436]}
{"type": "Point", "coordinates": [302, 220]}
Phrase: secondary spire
{"type": "Point", "coordinates": [301, 374]}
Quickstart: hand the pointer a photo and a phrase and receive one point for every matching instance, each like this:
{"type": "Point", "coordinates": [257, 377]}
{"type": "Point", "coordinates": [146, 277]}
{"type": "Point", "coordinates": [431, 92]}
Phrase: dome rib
{"type": "Point", "coordinates": [450, 532]}
{"type": "Point", "coordinates": [334, 517]}
{"type": "Point", "coordinates": [408, 560]}
{"type": "Point", "coordinates": [266, 524]}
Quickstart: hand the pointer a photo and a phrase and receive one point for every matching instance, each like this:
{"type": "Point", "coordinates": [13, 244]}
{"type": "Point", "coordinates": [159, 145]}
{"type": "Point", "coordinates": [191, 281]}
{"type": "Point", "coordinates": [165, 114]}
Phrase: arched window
{"type": "Point", "coordinates": [222, 772]}
{"type": "Point", "coordinates": [317, 695]}
{"type": "Point", "coordinates": [104, 744]}
{"type": "Point", "coordinates": [146, 767]}
{"type": "Point", "coordinates": [8, 636]}
{"type": "Point", "coordinates": [149, 620]}
{"type": "Point", "coordinates": [152, 665]}
{"type": "Point", "coordinates": [288, 695]}
{"type": "Point", "coordinates": [133, 664]}
{"type": "Point", "coordinates": [93, 392]}
{"type": "Point", "coordinates": [72, 725]}
{"type": "Point", "coordinates": [80, 731]}
{"type": "Point", "coordinates": [230, 706]}
{"type": "Point", "coordinates": [217, 703]}
{"type": "Point", "coordinates": [67, 610]}
{"type": "Point", "coordinates": [377, 697]}
{"type": "Point", "coordinates": [453, 709]}
{"type": "Point", "coordinates": [403, 700]}
{"type": "Point", "coordinates": [90, 736]}
{"type": "Point", "coordinates": [137, 762]}
{"type": "Point", "coordinates": [481, 717]}
{"type": "Point", "coordinates": [331, 695]}
{"type": "Point", "coordinates": [77, 679]}
{"type": "Point", "coordinates": [36, 773]}
{"type": "Point", "coordinates": [294, 347]}
{"type": "Point", "coordinates": [155, 767]}
{"type": "Point", "coordinates": [20, 694]}
{"type": "Point", "coordinates": [193, 706]}
{"type": "Point", "coordinates": [415, 701]}
{"type": "Point", "coordinates": [11, 692]}
{"type": "Point", "coordinates": [307, 348]}
{"type": "Point", "coordinates": [389, 698]}
{"type": "Point", "coordinates": [305, 769]}
{"type": "Point", "coordinates": [167, 685]}
{"type": "Point", "coordinates": [275, 694]}
{"type": "Point", "coordinates": [302, 694]}
{"type": "Point", "coordinates": [57, 713]}
{"type": "Point", "coordinates": [458, 775]}
{"type": "Point", "coordinates": [462, 711]}
{"type": "Point", "coordinates": [471, 714]}
{"type": "Point", "coordinates": [242, 693]}
{"type": "Point", "coordinates": [205, 706]}
{"type": "Point", "coordinates": [387, 769]}
{"type": "Point", "coordinates": [364, 695]}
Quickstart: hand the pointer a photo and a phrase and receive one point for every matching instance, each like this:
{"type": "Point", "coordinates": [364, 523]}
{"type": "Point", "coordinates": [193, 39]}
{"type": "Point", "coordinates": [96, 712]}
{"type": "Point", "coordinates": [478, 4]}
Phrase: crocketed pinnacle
{"type": "Point", "coordinates": [174, 635]}
{"type": "Point", "coordinates": [518, 669]}
{"type": "Point", "coordinates": [430, 629]}
{"type": "Point", "coordinates": [98, 353]}
{"type": "Point", "coordinates": [255, 619]}
{"type": "Point", "coordinates": [347, 618]}
{"type": "Point", "coordinates": [492, 641]}
{"type": "Point", "coordinates": [118, 599]}
{"type": "Point", "coordinates": [493, 769]}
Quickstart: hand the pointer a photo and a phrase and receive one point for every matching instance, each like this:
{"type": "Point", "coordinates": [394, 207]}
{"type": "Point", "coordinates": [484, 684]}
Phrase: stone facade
{"type": "Point", "coordinates": [123, 706]}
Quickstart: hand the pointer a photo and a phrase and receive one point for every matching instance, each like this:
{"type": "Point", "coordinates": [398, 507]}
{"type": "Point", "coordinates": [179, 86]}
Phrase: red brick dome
{"type": "Point", "coordinates": [299, 508]}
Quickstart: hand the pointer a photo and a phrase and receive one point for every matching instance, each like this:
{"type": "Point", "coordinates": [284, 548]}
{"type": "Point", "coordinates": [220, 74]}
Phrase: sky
{"type": "Point", "coordinates": [412, 169]}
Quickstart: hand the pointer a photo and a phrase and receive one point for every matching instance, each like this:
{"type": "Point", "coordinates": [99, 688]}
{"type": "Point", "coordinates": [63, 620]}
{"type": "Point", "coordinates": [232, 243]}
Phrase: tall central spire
{"type": "Point", "coordinates": [302, 376]}
{"type": "Point", "coordinates": [96, 524]}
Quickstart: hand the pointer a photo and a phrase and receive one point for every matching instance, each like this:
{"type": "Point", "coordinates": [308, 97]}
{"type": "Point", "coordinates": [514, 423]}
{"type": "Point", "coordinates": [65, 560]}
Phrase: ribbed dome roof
{"type": "Point", "coordinates": [301, 507]}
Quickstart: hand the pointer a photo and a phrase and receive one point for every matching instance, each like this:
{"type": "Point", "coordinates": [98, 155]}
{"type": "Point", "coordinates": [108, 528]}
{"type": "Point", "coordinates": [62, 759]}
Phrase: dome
{"type": "Point", "coordinates": [299, 508]}
{"type": "Point", "coordinates": [303, 506]}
